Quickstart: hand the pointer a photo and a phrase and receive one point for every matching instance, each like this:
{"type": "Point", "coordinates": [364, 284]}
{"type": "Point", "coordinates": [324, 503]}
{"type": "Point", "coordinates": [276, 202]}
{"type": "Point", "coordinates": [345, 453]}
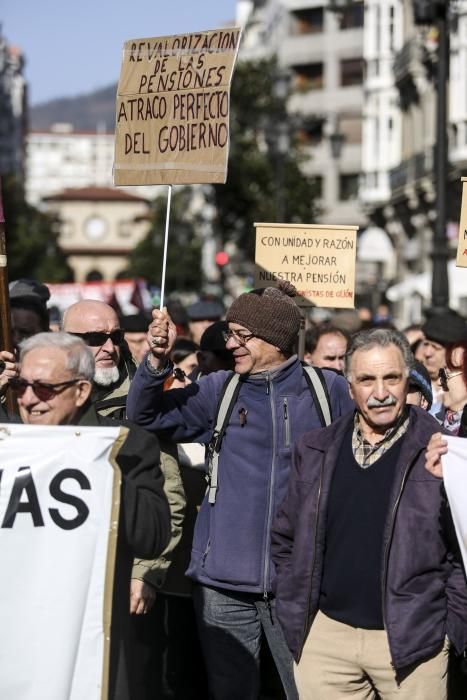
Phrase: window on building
{"type": "Point", "coordinates": [309, 76]}
{"type": "Point", "coordinates": [351, 71]}
{"type": "Point", "coordinates": [94, 276]}
{"type": "Point", "coordinates": [372, 67]}
{"type": "Point", "coordinates": [318, 186]}
{"type": "Point", "coordinates": [352, 16]}
{"type": "Point", "coordinates": [348, 186]}
{"type": "Point", "coordinates": [391, 27]}
{"type": "Point", "coordinates": [371, 180]}
{"type": "Point", "coordinates": [66, 228]}
{"type": "Point", "coordinates": [310, 132]}
{"type": "Point", "coordinates": [124, 229]}
{"type": "Point", "coordinates": [351, 127]}
{"type": "Point", "coordinates": [309, 21]}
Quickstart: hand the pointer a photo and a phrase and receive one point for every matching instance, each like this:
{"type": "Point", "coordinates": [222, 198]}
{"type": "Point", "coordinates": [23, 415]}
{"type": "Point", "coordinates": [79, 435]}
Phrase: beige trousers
{"type": "Point", "coordinates": [340, 661]}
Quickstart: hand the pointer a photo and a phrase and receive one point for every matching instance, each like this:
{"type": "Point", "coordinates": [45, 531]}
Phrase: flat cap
{"type": "Point", "coordinates": [446, 328]}
{"type": "Point", "coordinates": [29, 289]}
{"type": "Point", "coordinates": [205, 310]}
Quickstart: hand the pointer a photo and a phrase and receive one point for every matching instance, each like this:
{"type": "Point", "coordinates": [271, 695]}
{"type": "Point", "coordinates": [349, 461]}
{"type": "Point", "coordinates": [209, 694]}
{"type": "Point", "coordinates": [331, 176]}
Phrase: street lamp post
{"type": "Point", "coordinates": [436, 12]}
{"type": "Point", "coordinates": [440, 282]}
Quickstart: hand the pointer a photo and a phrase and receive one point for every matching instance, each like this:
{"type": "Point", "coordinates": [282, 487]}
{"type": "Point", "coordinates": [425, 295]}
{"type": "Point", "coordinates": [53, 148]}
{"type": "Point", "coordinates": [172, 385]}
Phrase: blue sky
{"type": "Point", "coordinates": [75, 47]}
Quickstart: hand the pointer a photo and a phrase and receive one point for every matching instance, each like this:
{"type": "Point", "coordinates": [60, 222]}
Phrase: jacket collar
{"type": "Point", "coordinates": [419, 423]}
{"type": "Point", "coordinates": [282, 370]}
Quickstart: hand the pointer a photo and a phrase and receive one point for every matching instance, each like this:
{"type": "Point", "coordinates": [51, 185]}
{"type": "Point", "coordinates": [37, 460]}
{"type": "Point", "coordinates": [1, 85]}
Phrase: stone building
{"type": "Point", "coordinates": [98, 226]}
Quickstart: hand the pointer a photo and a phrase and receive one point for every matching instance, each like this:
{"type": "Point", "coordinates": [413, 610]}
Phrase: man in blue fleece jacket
{"type": "Point", "coordinates": [231, 562]}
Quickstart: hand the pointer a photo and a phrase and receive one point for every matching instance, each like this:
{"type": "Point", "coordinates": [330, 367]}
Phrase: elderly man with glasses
{"type": "Point", "coordinates": [54, 388]}
{"type": "Point", "coordinates": [97, 324]}
{"type": "Point", "coordinates": [230, 563]}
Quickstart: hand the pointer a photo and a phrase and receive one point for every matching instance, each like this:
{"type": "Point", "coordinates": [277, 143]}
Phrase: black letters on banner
{"type": "Point", "coordinates": [23, 482]}
{"type": "Point", "coordinates": [59, 495]}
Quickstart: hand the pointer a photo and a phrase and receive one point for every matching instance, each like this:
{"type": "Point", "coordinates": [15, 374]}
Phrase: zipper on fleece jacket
{"type": "Point", "coordinates": [386, 553]}
{"type": "Point", "coordinates": [270, 391]}
{"type": "Point", "coordinates": [286, 421]}
{"type": "Point", "coordinates": [206, 552]}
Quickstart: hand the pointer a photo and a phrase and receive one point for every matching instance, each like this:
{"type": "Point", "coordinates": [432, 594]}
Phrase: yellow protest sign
{"type": "Point", "coordinates": [318, 260]}
{"type": "Point", "coordinates": [172, 111]}
{"type": "Point", "coordinates": [461, 260]}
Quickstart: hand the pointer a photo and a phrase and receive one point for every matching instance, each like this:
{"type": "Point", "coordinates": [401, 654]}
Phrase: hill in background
{"type": "Point", "coordinates": [85, 112]}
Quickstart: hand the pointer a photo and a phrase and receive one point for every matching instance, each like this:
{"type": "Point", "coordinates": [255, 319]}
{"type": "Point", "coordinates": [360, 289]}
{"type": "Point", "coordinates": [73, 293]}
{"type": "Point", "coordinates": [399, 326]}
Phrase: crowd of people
{"type": "Point", "coordinates": [320, 561]}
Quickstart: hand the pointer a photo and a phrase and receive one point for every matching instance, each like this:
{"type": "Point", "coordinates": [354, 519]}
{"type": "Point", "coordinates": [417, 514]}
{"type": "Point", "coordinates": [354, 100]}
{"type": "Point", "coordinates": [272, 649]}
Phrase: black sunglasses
{"type": "Point", "coordinates": [97, 339]}
{"type": "Point", "coordinates": [42, 390]}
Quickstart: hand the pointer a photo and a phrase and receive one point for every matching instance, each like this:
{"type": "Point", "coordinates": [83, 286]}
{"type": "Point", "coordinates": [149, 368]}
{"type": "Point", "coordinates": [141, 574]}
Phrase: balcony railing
{"type": "Point", "coordinates": [413, 169]}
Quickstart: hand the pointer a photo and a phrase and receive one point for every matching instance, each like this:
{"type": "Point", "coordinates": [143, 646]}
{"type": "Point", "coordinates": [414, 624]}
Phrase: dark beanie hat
{"type": "Point", "coordinates": [446, 328]}
{"type": "Point", "coordinates": [419, 379]}
{"type": "Point", "coordinates": [270, 313]}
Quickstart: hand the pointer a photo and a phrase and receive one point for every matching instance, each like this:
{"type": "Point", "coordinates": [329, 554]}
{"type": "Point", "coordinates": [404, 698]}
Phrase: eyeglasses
{"type": "Point", "coordinates": [444, 376]}
{"type": "Point", "coordinates": [240, 337]}
{"type": "Point", "coordinates": [97, 339]}
{"type": "Point", "coordinates": [42, 390]}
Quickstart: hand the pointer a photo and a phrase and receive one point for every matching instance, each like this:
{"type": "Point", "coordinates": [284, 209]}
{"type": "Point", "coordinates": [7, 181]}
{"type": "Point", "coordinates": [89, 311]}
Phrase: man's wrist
{"type": "Point", "coordinates": [163, 367]}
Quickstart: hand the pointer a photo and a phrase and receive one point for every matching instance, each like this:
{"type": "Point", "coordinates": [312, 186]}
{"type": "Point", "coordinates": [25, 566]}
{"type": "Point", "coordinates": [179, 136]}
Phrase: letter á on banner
{"type": "Point", "coordinates": [23, 483]}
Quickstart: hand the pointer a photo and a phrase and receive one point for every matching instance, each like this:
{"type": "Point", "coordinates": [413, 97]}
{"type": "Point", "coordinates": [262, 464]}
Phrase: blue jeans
{"type": "Point", "coordinates": [230, 627]}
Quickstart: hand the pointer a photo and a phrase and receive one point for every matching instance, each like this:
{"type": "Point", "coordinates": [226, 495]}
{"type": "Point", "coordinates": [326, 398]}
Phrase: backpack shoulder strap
{"type": "Point", "coordinates": [223, 413]}
{"type": "Point", "coordinates": [319, 390]}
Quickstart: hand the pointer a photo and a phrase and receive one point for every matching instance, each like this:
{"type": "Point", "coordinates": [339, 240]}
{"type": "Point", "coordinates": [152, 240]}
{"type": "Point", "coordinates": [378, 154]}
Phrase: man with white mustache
{"type": "Point", "coordinates": [369, 587]}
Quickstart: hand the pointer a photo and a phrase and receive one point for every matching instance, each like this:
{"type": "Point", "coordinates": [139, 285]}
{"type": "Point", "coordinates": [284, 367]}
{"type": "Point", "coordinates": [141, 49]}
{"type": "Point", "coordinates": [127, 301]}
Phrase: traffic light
{"type": "Point", "coordinates": [222, 258]}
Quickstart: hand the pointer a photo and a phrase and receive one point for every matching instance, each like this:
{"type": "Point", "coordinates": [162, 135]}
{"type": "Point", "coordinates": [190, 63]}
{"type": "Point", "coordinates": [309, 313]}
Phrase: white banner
{"type": "Point", "coordinates": [455, 481]}
{"type": "Point", "coordinates": [59, 505]}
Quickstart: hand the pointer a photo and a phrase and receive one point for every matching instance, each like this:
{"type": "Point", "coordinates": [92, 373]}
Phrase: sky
{"type": "Point", "coordinates": [74, 47]}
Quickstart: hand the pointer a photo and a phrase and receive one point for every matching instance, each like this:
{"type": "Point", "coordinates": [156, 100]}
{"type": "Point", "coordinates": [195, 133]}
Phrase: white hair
{"type": "Point", "coordinates": [79, 358]}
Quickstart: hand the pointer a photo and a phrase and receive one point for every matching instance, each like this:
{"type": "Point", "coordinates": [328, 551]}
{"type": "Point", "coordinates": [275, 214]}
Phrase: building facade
{"type": "Point", "coordinates": [98, 228]}
{"type": "Point", "coordinates": [13, 110]}
{"type": "Point", "coordinates": [399, 163]}
{"type": "Point", "coordinates": [62, 158]}
{"type": "Point", "coordinates": [321, 53]}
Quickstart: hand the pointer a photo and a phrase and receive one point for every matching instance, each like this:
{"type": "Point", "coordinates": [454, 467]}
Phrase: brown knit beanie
{"type": "Point", "coordinates": [270, 313]}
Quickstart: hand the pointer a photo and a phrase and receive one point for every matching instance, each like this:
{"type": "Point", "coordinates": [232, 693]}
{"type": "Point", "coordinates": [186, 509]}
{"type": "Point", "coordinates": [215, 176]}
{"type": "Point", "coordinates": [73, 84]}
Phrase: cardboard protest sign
{"type": "Point", "coordinates": [461, 260]}
{"type": "Point", "coordinates": [172, 112]}
{"type": "Point", "coordinates": [455, 481]}
{"type": "Point", "coordinates": [59, 510]}
{"type": "Point", "coordinates": [318, 260]}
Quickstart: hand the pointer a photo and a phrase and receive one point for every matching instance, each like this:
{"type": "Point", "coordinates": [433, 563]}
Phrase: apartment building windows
{"type": "Point", "coordinates": [348, 186]}
{"type": "Point", "coordinates": [352, 16]}
{"type": "Point", "coordinates": [351, 71]}
{"type": "Point", "coordinates": [309, 76]}
{"type": "Point", "coordinates": [307, 21]}
{"type": "Point", "coordinates": [318, 186]}
{"type": "Point", "coordinates": [310, 132]}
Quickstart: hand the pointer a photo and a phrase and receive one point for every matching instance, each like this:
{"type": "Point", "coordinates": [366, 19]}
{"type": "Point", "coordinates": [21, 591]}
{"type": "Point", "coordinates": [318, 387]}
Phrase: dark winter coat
{"type": "Point", "coordinates": [144, 531]}
{"type": "Point", "coordinates": [424, 587]}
